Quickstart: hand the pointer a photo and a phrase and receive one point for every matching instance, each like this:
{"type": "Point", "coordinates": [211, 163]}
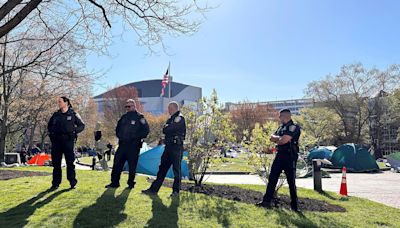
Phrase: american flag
{"type": "Point", "coordinates": [165, 81]}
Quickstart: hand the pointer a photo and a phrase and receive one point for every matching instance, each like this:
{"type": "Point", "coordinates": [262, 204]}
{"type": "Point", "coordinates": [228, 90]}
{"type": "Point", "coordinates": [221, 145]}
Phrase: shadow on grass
{"type": "Point", "coordinates": [287, 219]}
{"type": "Point", "coordinates": [163, 215]}
{"type": "Point", "coordinates": [106, 212]}
{"type": "Point", "coordinates": [18, 216]}
{"type": "Point", "coordinates": [209, 207]}
{"type": "Point", "coordinates": [323, 193]}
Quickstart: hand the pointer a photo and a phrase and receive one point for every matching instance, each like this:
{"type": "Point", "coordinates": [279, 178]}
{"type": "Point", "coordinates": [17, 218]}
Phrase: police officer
{"type": "Point", "coordinates": [131, 129]}
{"type": "Point", "coordinates": [287, 138]}
{"type": "Point", "coordinates": [175, 132]}
{"type": "Point", "coordinates": [63, 127]}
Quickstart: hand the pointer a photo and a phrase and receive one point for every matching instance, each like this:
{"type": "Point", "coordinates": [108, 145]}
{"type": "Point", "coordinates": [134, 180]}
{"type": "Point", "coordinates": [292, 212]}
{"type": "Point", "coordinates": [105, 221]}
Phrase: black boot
{"type": "Point", "coordinates": [112, 185]}
{"type": "Point", "coordinates": [149, 192]}
{"type": "Point", "coordinates": [264, 204]}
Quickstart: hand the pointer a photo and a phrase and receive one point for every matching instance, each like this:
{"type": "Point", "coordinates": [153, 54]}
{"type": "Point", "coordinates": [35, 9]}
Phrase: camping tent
{"type": "Point", "coordinates": [144, 148]}
{"type": "Point", "coordinates": [354, 157]}
{"type": "Point", "coordinates": [394, 160]}
{"type": "Point", "coordinates": [39, 159]}
{"type": "Point", "coordinates": [149, 161]}
{"type": "Point", "coordinates": [319, 153]}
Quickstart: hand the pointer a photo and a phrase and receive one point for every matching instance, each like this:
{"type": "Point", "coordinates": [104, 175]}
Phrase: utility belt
{"type": "Point", "coordinates": [134, 141]}
{"type": "Point", "coordinates": [290, 149]}
{"type": "Point", "coordinates": [63, 136]}
{"type": "Point", "coordinates": [176, 140]}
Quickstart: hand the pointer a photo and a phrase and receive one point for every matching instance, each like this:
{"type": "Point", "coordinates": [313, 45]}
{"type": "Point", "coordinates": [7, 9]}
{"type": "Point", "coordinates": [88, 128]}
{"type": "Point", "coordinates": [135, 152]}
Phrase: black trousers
{"type": "Point", "coordinates": [172, 156]}
{"type": "Point", "coordinates": [58, 148]}
{"type": "Point", "coordinates": [127, 151]}
{"type": "Point", "coordinates": [287, 164]}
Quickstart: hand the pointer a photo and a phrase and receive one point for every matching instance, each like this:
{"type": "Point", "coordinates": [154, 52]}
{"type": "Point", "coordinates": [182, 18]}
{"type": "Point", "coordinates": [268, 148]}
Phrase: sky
{"type": "Point", "coordinates": [263, 50]}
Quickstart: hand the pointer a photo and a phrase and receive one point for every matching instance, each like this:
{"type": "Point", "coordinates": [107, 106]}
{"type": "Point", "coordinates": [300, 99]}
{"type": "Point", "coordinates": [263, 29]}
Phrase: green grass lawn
{"type": "Point", "coordinates": [239, 164]}
{"type": "Point", "coordinates": [88, 160]}
{"type": "Point", "coordinates": [25, 202]}
{"type": "Point", "coordinates": [221, 165]}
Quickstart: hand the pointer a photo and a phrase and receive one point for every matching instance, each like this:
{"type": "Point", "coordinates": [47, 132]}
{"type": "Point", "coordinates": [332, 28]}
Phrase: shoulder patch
{"type": "Point", "coordinates": [78, 116]}
{"type": "Point", "coordinates": [177, 119]}
{"type": "Point", "coordinates": [292, 128]}
{"type": "Point", "coordinates": [143, 120]}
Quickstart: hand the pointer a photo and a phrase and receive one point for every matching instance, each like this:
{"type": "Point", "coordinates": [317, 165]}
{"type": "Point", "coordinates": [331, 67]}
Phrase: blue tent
{"type": "Point", "coordinates": [354, 157]}
{"type": "Point", "coordinates": [149, 161]}
{"type": "Point", "coordinates": [319, 153]}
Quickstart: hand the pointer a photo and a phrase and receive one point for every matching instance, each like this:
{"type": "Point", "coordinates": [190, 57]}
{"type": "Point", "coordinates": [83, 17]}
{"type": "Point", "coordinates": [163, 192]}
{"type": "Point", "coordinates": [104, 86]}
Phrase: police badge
{"type": "Point", "coordinates": [133, 122]}
{"type": "Point", "coordinates": [292, 128]}
{"type": "Point", "coordinates": [177, 119]}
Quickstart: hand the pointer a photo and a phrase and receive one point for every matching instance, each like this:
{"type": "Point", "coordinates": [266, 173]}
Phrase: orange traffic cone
{"type": "Point", "coordinates": [343, 185]}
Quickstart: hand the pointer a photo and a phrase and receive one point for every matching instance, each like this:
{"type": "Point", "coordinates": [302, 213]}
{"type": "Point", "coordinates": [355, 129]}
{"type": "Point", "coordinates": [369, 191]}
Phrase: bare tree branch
{"type": "Point", "coordinates": [103, 10]}
{"type": "Point", "coordinates": [19, 17]}
{"type": "Point", "coordinates": [7, 7]}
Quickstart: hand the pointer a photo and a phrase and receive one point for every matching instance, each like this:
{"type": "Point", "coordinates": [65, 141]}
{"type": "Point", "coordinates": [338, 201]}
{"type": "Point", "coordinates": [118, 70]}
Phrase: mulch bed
{"type": "Point", "coordinates": [11, 174]}
{"type": "Point", "coordinates": [253, 197]}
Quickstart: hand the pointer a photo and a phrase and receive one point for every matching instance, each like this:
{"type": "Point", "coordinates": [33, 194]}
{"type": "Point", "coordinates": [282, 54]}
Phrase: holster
{"type": "Point", "coordinates": [294, 149]}
{"type": "Point", "coordinates": [174, 140]}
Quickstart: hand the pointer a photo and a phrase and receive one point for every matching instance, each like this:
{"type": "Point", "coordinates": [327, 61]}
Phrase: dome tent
{"type": "Point", "coordinates": [39, 159]}
{"type": "Point", "coordinates": [149, 162]}
{"type": "Point", "coordinates": [319, 153]}
{"type": "Point", "coordinates": [354, 157]}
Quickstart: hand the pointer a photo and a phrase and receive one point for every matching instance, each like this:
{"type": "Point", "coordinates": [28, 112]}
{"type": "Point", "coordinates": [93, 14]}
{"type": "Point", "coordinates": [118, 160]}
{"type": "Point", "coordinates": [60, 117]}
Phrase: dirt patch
{"type": "Point", "coordinates": [253, 197]}
{"type": "Point", "coordinates": [11, 174]}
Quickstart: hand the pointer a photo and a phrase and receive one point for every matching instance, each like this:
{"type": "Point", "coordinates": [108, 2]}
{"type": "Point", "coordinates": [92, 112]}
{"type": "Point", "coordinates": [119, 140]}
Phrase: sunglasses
{"type": "Point", "coordinates": [128, 106]}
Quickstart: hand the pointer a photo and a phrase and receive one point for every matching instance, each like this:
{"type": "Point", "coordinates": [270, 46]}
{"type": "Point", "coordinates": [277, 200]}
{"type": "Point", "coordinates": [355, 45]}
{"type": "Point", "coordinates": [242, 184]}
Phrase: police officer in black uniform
{"type": "Point", "coordinates": [131, 129]}
{"type": "Point", "coordinates": [175, 132]}
{"type": "Point", "coordinates": [287, 138]}
{"type": "Point", "coordinates": [63, 127]}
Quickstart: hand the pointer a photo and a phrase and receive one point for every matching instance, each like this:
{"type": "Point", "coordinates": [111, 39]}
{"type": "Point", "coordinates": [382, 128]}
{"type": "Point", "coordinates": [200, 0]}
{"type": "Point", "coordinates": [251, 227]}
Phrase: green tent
{"type": "Point", "coordinates": [354, 157]}
{"type": "Point", "coordinates": [394, 160]}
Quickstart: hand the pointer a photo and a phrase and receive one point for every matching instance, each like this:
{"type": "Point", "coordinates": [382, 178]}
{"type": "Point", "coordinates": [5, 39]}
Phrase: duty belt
{"type": "Point", "coordinates": [174, 140]}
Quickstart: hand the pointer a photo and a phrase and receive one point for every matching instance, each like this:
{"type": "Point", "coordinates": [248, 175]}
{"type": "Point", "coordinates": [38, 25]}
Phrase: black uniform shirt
{"type": "Point", "coordinates": [175, 126]}
{"type": "Point", "coordinates": [132, 127]}
{"type": "Point", "coordinates": [292, 130]}
{"type": "Point", "coordinates": [68, 123]}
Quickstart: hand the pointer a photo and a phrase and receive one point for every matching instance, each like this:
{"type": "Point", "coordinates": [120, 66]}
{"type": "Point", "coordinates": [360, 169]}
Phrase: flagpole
{"type": "Point", "coordinates": [170, 80]}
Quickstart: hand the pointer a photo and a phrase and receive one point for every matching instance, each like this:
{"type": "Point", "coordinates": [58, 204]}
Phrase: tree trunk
{"type": "Point", "coordinates": [31, 136]}
{"type": "Point", "coordinates": [42, 138]}
{"type": "Point", "coordinates": [2, 143]}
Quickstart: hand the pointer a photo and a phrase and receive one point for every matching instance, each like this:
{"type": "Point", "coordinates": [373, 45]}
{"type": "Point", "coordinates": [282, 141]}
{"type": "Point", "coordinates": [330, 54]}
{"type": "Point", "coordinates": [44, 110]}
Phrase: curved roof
{"type": "Point", "coordinates": [151, 88]}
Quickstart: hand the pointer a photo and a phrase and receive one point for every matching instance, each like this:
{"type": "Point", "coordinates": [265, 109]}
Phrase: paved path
{"type": "Point", "coordinates": [379, 187]}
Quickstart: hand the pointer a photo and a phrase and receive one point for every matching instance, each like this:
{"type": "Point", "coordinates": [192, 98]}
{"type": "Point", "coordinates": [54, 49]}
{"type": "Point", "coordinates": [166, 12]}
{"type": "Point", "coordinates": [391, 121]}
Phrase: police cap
{"type": "Point", "coordinates": [284, 111]}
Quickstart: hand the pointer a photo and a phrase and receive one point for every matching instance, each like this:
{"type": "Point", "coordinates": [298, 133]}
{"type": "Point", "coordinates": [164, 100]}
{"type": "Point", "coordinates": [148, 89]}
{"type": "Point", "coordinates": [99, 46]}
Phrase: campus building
{"type": "Point", "coordinates": [294, 105]}
{"type": "Point", "coordinates": [383, 129]}
{"type": "Point", "coordinates": [149, 95]}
